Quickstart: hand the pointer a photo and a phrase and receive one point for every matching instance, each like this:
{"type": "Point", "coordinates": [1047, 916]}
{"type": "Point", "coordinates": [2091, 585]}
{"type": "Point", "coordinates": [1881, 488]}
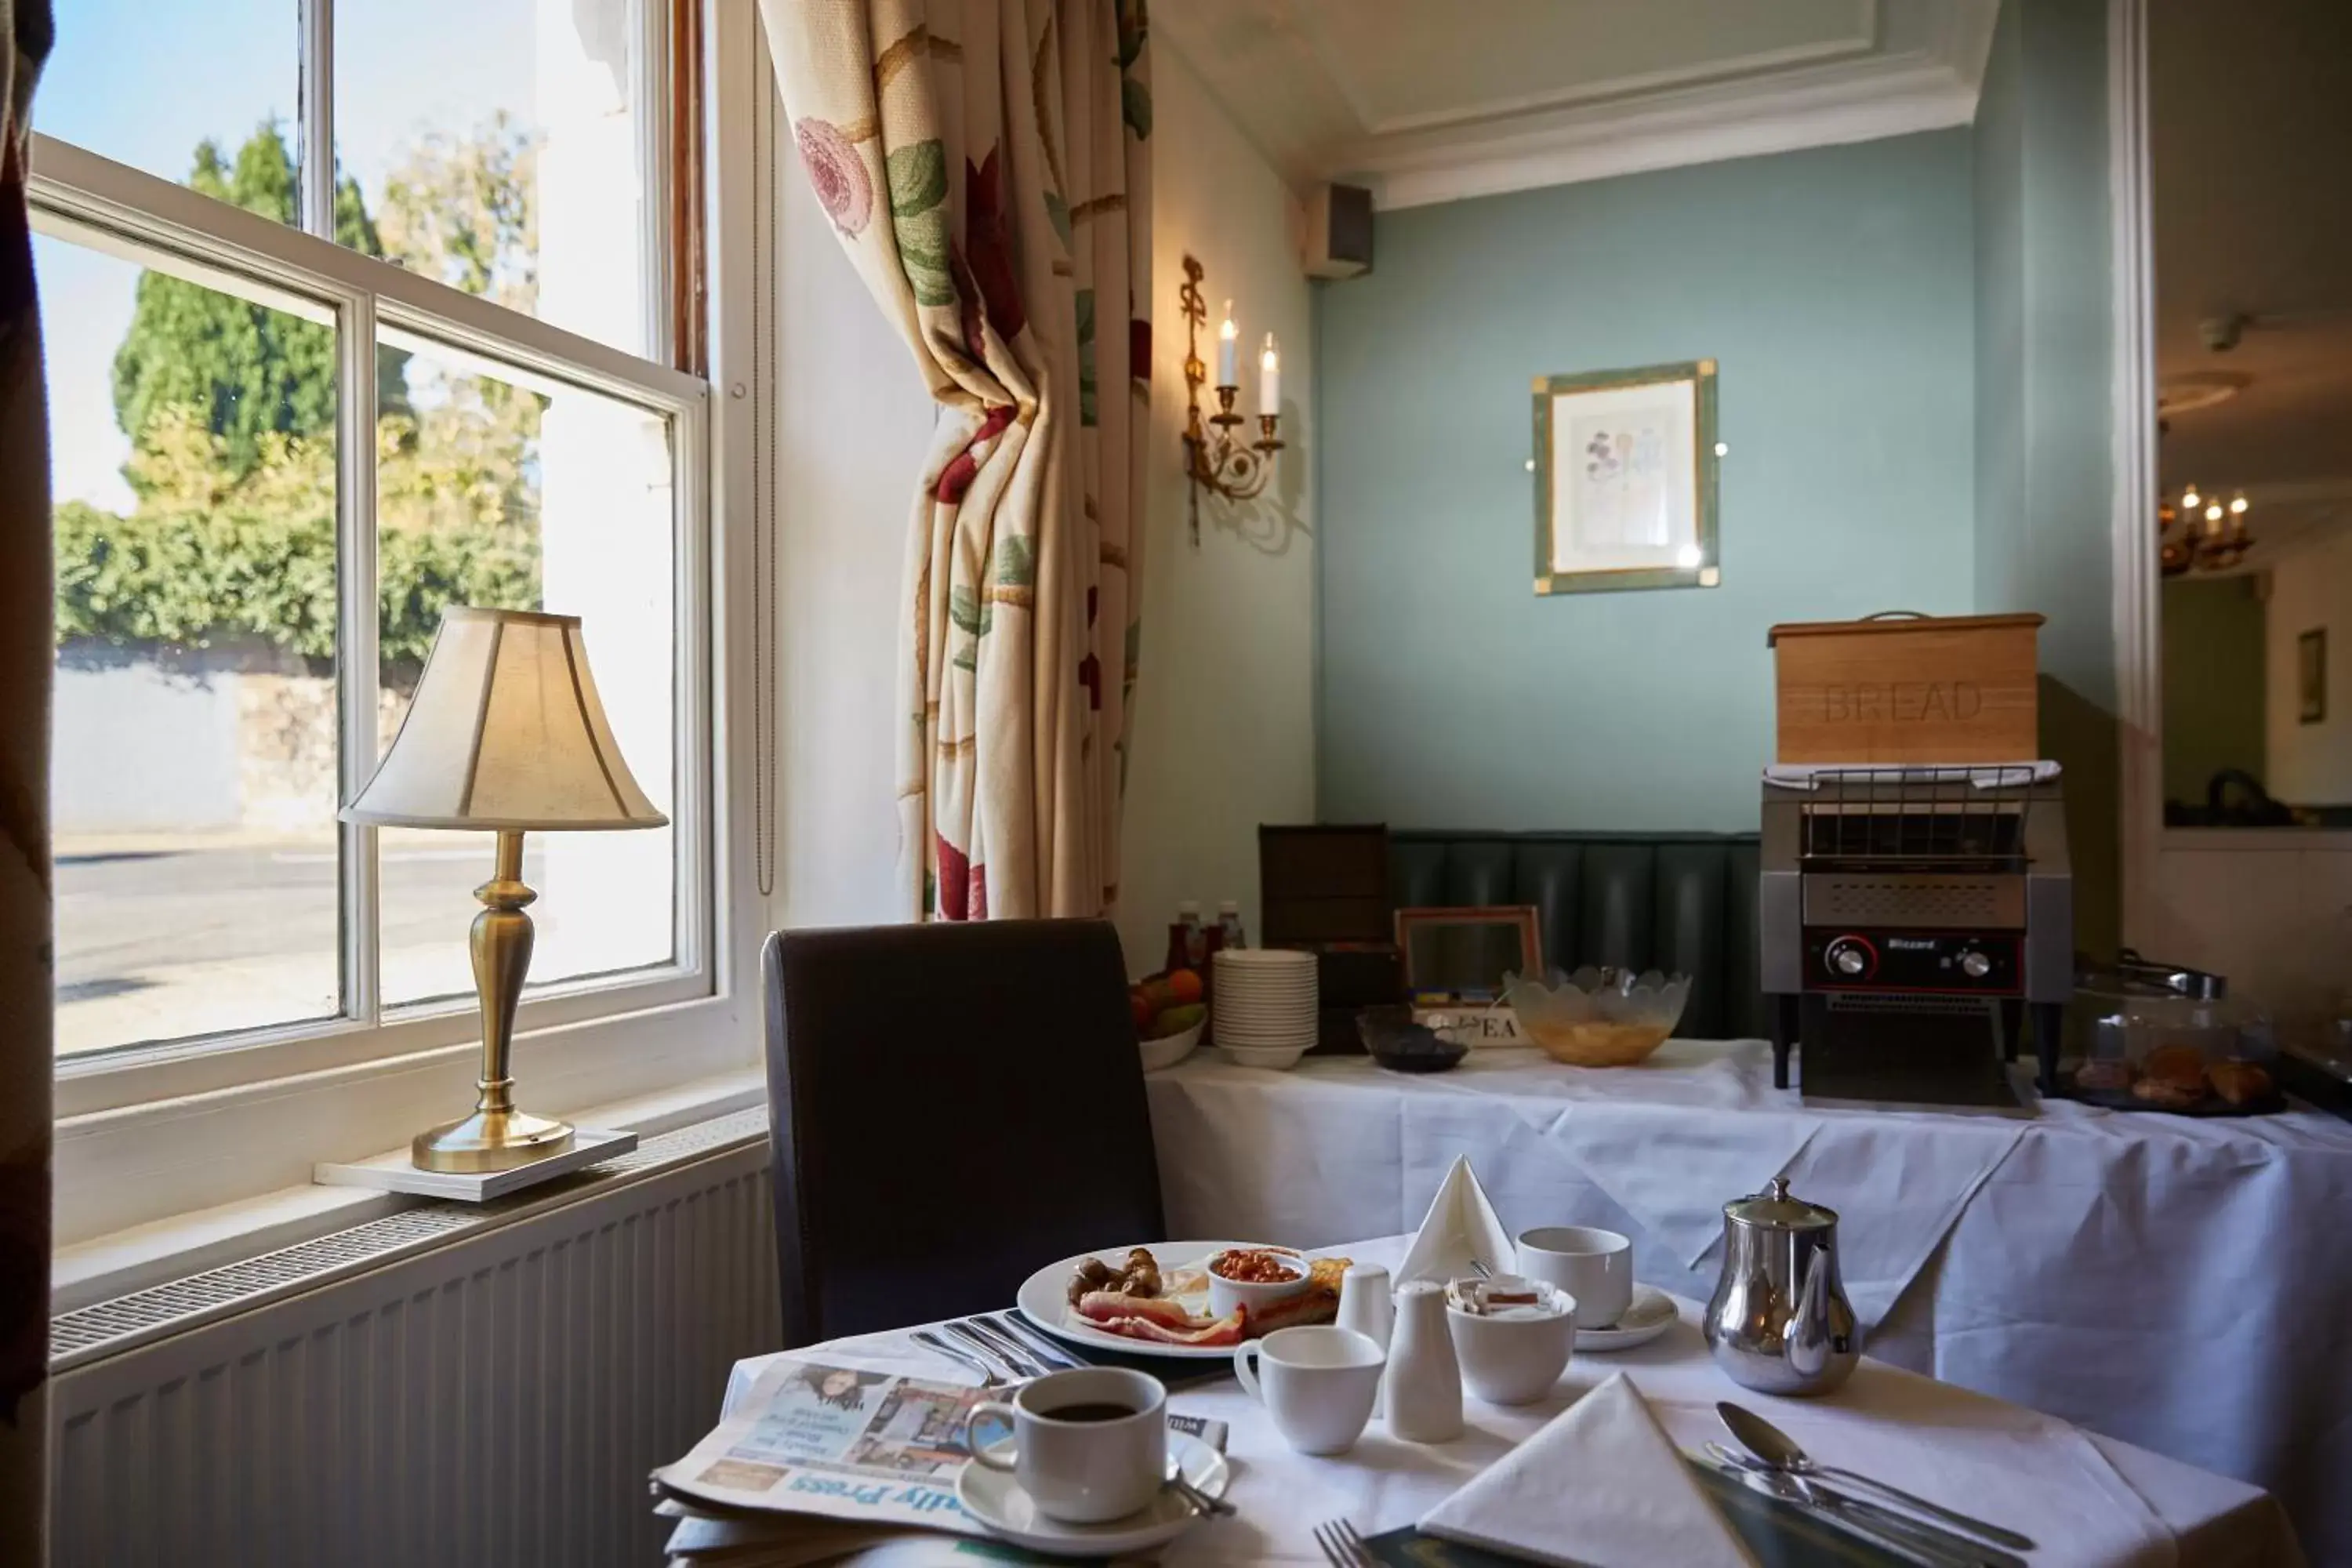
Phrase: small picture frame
{"type": "Point", "coordinates": [1464, 953]}
{"type": "Point", "coordinates": [2311, 676]}
{"type": "Point", "coordinates": [1625, 466]}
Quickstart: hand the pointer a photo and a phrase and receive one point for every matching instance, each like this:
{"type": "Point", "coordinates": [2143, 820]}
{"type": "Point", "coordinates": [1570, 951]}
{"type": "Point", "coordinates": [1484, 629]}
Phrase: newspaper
{"type": "Point", "coordinates": [842, 1442]}
{"type": "Point", "coordinates": [856, 1444]}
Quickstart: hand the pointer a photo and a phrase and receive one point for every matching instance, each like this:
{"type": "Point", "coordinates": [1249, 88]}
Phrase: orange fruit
{"type": "Point", "coordinates": [1183, 988]}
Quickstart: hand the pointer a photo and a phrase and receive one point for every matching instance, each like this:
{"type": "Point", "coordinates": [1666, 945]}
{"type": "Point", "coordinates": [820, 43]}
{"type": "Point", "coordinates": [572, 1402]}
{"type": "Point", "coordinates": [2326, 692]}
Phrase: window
{"type": "Point", "coordinates": [296, 410]}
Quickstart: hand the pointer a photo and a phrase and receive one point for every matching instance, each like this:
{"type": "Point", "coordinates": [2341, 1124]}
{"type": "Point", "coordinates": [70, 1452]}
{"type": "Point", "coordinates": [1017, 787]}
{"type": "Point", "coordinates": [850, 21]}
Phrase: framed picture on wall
{"type": "Point", "coordinates": [2311, 676]}
{"type": "Point", "coordinates": [1626, 479]}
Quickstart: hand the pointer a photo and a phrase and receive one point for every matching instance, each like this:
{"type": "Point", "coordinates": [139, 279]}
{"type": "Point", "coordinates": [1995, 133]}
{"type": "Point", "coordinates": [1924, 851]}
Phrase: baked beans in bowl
{"type": "Point", "coordinates": [1253, 1277]}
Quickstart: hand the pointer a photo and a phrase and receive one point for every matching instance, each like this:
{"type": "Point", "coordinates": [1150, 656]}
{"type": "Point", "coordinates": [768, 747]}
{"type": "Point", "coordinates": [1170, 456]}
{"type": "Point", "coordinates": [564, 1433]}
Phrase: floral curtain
{"type": "Point", "coordinates": [983, 163]}
{"type": "Point", "coordinates": [25, 975]}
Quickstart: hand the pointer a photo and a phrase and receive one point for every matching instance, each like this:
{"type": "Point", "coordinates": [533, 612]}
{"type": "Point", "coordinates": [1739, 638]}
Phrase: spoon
{"type": "Point", "coordinates": [1779, 1450]}
{"type": "Point", "coordinates": [1202, 1503]}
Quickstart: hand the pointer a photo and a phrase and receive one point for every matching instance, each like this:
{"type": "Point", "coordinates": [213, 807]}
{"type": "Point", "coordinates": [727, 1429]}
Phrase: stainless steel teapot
{"type": "Point", "coordinates": [1778, 1322]}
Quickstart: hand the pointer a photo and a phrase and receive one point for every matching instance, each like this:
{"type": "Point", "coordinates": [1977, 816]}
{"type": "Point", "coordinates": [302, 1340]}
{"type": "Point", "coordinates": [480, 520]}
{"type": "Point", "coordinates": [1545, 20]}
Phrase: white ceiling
{"type": "Point", "coordinates": [1429, 100]}
{"type": "Point", "coordinates": [2250, 145]}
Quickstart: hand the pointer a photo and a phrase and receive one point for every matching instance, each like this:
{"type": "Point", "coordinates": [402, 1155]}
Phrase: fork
{"type": "Point", "coordinates": [993, 1351]}
{"type": "Point", "coordinates": [1040, 1347]}
{"type": "Point", "coordinates": [1342, 1547]}
{"type": "Point", "coordinates": [989, 1378]}
{"type": "Point", "coordinates": [999, 1333]}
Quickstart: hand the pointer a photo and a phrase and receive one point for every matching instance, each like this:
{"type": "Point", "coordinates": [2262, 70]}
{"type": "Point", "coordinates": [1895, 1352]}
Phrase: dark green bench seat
{"type": "Point", "coordinates": [1677, 901]}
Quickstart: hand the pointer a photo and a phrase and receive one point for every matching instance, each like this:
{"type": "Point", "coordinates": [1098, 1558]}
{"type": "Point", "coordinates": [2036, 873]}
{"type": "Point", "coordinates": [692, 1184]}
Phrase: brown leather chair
{"type": "Point", "coordinates": [952, 1107]}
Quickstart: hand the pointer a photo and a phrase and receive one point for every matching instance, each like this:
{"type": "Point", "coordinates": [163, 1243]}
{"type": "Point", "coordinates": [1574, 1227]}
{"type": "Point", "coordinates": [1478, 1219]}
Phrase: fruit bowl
{"type": "Point", "coordinates": [1170, 1049]}
{"type": "Point", "coordinates": [1170, 1012]}
{"type": "Point", "coordinates": [1598, 1017]}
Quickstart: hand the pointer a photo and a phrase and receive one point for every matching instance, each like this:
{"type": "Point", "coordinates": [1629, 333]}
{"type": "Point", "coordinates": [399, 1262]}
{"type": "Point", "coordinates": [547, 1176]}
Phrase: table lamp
{"type": "Point", "coordinates": [506, 735]}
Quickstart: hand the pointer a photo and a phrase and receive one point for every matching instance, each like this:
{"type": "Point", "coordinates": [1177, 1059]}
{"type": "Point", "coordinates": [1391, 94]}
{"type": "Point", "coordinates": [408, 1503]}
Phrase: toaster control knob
{"type": "Point", "coordinates": [1975, 964]}
{"type": "Point", "coordinates": [1847, 959]}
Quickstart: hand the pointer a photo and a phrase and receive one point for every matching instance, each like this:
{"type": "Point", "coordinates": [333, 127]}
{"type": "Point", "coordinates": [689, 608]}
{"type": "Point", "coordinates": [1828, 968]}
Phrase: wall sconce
{"type": "Point", "coordinates": [1221, 462]}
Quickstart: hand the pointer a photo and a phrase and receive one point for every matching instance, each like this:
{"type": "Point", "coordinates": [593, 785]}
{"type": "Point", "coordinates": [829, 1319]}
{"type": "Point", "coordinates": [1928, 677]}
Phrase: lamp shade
{"type": "Point", "coordinates": [506, 732]}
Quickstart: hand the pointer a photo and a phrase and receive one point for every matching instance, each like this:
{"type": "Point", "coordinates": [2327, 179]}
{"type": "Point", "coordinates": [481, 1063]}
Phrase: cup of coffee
{"type": "Point", "coordinates": [1596, 1267]}
{"type": "Point", "coordinates": [1088, 1446]}
{"type": "Point", "coordinates": [1319, 1383]}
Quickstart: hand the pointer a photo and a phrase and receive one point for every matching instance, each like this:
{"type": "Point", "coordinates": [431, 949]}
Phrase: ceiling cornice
{"type": "Point", "coordinates": [1827, 90]}
{"type": "Point", "coordinates": [1857, 101]}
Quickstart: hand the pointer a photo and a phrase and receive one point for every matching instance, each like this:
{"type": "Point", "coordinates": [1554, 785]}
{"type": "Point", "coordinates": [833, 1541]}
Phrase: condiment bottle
{"type": "Point", "coordinates": [1229, 922]}
{"type": "Point", "coordinates": [1422, 1387]}
{"type": "Point", "coordinates": [1186, 946]}
{"type": "Point", "coordinates": [1196, 935]}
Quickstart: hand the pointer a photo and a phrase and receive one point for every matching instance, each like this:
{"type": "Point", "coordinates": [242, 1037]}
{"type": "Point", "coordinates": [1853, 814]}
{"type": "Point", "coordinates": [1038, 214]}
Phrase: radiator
{"type": "Point", "coordinates": [450, 1386]}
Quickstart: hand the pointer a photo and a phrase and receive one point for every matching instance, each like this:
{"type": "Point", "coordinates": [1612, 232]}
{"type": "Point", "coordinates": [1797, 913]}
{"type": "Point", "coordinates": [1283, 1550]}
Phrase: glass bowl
{"type": "Point", "coordinates": [1598, 1017]}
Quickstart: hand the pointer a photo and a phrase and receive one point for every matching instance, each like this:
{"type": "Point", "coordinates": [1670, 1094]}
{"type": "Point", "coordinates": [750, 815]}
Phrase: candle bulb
{"type": "Point", "coordinates": [1228, 350]}
{"type": "Point", "coordinates": [1269, 382]}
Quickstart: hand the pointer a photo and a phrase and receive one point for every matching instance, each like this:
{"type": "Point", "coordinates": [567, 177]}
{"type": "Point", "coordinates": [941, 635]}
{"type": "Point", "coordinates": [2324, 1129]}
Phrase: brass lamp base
{"type": "Point", "coordinates": [496, 1137]}
{"type": "Point", "coordinates": [489, 1140]}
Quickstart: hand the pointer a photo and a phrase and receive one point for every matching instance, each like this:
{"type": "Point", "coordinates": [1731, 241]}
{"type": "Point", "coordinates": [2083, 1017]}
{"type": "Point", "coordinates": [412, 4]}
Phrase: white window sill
{"type": "Point", "coordinates": [143, 1255]}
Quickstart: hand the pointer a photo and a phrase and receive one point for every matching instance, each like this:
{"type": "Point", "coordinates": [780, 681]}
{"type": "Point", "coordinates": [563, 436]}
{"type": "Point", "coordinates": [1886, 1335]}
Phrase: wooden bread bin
{"type": "Point", "coordinates": [1907, 689]}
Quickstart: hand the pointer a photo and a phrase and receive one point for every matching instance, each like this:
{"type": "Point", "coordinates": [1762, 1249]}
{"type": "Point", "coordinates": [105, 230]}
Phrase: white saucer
{"type": "Point", "coordinates": [1652, 1314]}
{"type": "Point", "coordinates": [997, 1501]}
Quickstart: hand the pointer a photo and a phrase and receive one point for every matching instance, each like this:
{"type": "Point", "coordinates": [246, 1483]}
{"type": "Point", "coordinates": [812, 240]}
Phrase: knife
{"type": "Point", "coordinates": [1946, 1546]}
{"type": "Point", "coordinates": [1914, 1550]}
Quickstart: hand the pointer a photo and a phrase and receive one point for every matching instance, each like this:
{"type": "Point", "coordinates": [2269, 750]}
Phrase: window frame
{"type": "Point", "coordinates": [594, 1038]}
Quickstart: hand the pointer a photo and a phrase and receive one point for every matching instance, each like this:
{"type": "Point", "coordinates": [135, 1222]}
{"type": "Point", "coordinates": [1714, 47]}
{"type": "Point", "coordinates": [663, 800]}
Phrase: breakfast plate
{"type": "Point", "coordinates": [1044, 1298]}
{"type": "Point", "coordinates": [997, 1501]}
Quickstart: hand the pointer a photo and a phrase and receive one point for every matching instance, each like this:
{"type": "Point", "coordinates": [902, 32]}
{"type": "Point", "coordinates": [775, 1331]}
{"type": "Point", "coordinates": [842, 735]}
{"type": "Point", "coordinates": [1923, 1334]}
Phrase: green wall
{"type": "Point", "coordinates": [1835, 287]}
{"type": "Point", "coordinates": [2214, 680]}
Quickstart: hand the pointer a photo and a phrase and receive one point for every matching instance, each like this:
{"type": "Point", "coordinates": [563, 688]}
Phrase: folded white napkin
{"type": "Point", "coordinates": [1461, 1225]}
{"type": "Point", "coordinates": [1599, 1487]}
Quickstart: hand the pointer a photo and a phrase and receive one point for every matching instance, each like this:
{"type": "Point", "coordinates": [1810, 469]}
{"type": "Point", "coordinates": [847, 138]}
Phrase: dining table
{"type": "Point", "coordinates": [2120, 1506]}
{"type": "Point", "coordinates": [2171, 1281]}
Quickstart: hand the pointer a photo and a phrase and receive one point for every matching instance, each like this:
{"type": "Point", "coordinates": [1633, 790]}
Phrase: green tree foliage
{"type": "Point", "coordinates": [230, 408]}
{"type": "Point", "coordinates": [461, 210]}
{"type": "Point", "coordinates": [247, 367]}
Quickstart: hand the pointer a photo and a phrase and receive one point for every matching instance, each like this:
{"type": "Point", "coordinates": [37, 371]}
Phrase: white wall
{"type": "Point", "coordinates": [2310, 764]}
{"type": "Point", "coordinates": [1224, 721]}
{"type": "Point", "coordinates": [134, 749]}
{"type": "Point", "coordinates": [853, 422]}
{"type": "Point", "coordinates": [1224, 733]}
{"type": "Point", "coordinates": [2270, 907]}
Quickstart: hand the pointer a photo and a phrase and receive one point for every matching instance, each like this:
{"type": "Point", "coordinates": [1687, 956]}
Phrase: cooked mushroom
{"type": "Point", "coordinates": [1140, 1274]}
{"type": "Point", "coordinates": [1092, 1274]}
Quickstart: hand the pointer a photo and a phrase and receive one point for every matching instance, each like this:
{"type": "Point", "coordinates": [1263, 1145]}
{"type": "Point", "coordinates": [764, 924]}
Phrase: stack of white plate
{"type": "Point", "coordinates": [1262, 1014]}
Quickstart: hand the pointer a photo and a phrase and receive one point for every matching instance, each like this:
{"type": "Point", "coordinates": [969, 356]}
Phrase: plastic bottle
{"type": "Point", "coordinates": [1229, 922]}
{"type": "Point", "coordinates": [1188, 939]}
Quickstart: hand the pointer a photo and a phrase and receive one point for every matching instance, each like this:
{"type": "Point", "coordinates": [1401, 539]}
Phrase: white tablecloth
{"type": "Point", "coordinates": [2192, 1518]}
{"type": "Point", "coordinates": [2181, 1284]}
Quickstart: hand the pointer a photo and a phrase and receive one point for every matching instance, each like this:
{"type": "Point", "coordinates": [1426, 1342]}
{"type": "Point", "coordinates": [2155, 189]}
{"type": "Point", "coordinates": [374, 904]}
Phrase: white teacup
{"type": "Point", "coordinates": [1088, 1446]}
{"type": "Point", "coordinates": [1318, 1383]}
{"type": "Point", "coordinates": [1596, 1267]}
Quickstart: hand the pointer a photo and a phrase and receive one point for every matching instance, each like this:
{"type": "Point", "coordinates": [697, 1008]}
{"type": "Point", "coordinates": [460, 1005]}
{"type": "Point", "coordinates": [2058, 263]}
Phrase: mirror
{"type": "Point", "coordinates": [2250, 117]}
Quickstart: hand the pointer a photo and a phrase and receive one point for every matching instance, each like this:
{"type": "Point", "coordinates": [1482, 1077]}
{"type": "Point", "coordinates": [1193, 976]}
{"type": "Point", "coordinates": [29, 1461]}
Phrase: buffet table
{"type": "Point", "coordinates": [2112, 1505]}
{"type": "Point", "coordinates": [2177, 1283]}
